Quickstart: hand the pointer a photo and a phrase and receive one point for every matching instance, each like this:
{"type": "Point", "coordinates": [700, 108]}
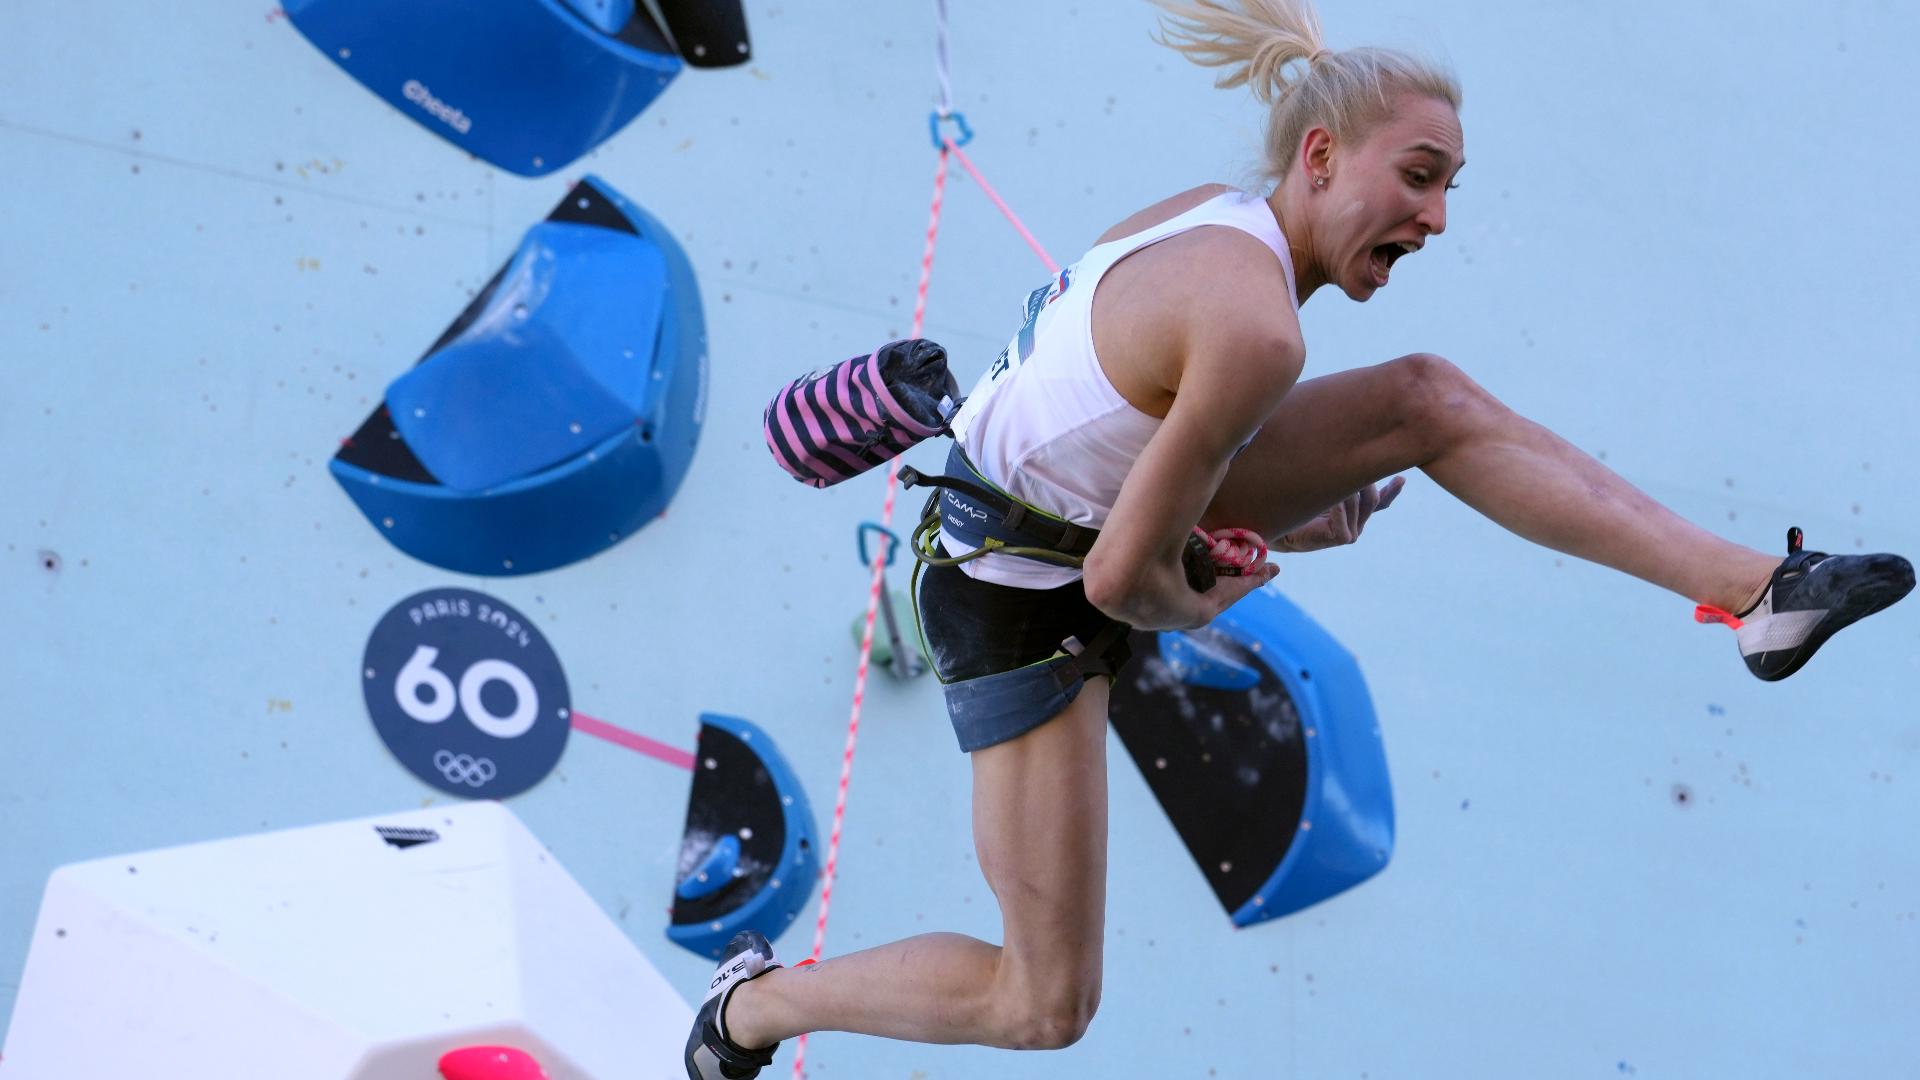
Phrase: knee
{"type": "Point", "coordinates": [1439, 401]}
{"type": "Point", "coordinates": [1058, 1021]}
{"type": "Point", "coordinates": [1050, 1017]}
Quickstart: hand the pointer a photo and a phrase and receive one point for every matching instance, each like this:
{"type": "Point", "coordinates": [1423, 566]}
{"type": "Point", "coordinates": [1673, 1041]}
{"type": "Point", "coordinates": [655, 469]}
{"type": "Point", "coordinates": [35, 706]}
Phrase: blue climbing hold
{"type": "Point", "coordinates": [748, 857]}
{"type": "Point", "coordinates": [1199, 662]}
{"type": "Point", "coordinates": [527, 85]}
{"type": "Point", "coordinates": [557, 415]}
{"type": "Point", "coordinates": [553, 365]}
{"type": "Point", "coordinates": [1258, 738]}
{"type": "Point", "coordinates": [714, 873]}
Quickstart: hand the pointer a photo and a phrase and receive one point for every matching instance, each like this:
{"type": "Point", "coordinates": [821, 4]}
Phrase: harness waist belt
{"type": "Point", "coordinates": [977, 514]}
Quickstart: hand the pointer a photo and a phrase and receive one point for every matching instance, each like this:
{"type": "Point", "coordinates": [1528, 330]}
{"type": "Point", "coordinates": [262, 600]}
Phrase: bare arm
{"type": "Point", "coordinates": [1238, 354]}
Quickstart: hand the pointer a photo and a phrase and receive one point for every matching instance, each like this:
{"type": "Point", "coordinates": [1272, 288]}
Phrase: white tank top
{"type": "Point", "coordinates": [1046, 424]}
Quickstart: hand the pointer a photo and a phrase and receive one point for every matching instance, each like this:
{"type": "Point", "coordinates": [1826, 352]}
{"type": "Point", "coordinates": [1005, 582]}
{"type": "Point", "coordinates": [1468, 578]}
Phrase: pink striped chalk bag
{"type": "Point", "coordinates": [842, 420]}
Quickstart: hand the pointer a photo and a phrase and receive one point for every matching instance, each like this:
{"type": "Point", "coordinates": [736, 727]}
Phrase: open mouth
{"type": "Point", "coordinates": [1381, 259]}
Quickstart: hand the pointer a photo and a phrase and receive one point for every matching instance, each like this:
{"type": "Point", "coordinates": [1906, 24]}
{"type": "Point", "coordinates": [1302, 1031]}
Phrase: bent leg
{"type": "Point", "coordinates": [1040, 830]}
{"type": "Point", "coordinates": [1333, 435]}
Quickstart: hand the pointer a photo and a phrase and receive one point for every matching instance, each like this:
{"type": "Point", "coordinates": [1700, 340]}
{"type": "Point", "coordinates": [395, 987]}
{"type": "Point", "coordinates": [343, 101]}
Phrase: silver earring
{"type": "Point", "coordinates": [1320, 182]}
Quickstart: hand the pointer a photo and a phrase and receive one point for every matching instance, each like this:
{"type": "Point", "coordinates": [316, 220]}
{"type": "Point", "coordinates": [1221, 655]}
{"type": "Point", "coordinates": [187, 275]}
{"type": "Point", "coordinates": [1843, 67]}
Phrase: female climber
{"type": "Point", "coordinates": [1155, 388]}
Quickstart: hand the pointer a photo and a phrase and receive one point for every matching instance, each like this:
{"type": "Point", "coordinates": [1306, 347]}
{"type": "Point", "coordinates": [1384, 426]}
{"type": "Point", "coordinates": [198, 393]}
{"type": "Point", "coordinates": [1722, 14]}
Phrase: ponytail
{"type": "Point", "coordinates": [1276, 49]}
{"type": "Point", "coordinates": [1255, 44]}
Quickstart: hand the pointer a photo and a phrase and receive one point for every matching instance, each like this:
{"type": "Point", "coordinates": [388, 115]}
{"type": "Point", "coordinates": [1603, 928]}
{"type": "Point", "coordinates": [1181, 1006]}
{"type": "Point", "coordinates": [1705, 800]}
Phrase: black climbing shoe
{"type": "Point", "coordinates": [710, 1054]}
{"type": "Point", "coordinates": [1812, 596]}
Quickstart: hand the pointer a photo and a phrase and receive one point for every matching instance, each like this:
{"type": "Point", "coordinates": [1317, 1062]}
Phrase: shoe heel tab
{"type": "Point", "coordinates": [1794, 539]}
{"type": "Point", "coordinates": [1709, 615]}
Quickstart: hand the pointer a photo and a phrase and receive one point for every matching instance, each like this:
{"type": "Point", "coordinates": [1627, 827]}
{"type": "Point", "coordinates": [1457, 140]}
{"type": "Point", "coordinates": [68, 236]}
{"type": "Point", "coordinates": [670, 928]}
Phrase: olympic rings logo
{"type": "Point", "coordinates": [464, 769]}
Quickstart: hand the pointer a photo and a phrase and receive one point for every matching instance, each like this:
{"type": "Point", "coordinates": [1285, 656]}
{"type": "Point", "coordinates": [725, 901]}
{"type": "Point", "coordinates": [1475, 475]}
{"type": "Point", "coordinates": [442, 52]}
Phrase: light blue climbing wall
{"type": "Point", "coordinates": [1683, 240]}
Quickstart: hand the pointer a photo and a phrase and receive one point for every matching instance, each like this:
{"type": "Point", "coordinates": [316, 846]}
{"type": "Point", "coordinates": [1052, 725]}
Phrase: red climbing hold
{"type": "Point", "coordinates": [490, 1063]}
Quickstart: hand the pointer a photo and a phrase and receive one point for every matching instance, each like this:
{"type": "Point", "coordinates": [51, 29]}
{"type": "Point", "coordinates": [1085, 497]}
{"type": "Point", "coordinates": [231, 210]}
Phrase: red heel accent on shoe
{"type": "Point", "coordinates": [1707, 613]}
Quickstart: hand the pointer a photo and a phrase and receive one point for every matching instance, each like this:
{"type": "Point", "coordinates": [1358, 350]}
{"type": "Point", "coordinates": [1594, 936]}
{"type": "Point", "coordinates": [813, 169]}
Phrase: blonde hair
{"type": "Point", "coordinates": [1275, 47]}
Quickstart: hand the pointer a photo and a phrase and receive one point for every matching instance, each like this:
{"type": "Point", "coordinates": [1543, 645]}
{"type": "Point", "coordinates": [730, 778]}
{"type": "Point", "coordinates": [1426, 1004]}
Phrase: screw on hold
{"type": "Point", "coordinates": [49, 560]}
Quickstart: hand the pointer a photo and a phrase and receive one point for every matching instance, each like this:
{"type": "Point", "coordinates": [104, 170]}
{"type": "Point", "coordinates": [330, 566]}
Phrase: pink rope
{"type": "Point", "coordinates": [831, 870]}
{"type": "Point", "coordinates": [1239, 548]}
{"type": "Point", "coordinates": [967, 163]}
{"type": "Point", "coordinates": [619, 736]}
{"type": "Point", "coordinates": [866, 636]}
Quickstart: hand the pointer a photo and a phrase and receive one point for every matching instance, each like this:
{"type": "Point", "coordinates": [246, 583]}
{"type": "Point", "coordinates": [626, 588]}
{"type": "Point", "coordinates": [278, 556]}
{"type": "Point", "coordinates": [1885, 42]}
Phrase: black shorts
{"type": "Point", "coordinates": [1000, 650]}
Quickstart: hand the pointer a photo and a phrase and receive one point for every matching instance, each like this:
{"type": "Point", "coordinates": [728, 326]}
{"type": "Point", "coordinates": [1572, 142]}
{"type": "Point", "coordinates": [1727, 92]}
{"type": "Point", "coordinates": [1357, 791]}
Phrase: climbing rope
{"type": "Point", "coordinates": [873, 606]}
{"type": "Point", "coordinates": [947, 146]}
{"type": "Point", "coordinates": [1239, 548]}
{"type": "Point", "coordinates": [967, 163]}
{"type": "Point", "coordinates": [942, 68]}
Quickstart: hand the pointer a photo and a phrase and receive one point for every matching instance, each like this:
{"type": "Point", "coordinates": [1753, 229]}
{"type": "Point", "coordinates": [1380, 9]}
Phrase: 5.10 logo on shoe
{"type": "Point", "coordinates": [466, 693]}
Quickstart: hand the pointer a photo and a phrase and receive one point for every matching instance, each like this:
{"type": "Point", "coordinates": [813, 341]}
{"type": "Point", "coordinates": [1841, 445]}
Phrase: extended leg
{"type": "Point", "coordinates": [1040, 830]}
{"type": "Point", "coordinates": [1333, 435]}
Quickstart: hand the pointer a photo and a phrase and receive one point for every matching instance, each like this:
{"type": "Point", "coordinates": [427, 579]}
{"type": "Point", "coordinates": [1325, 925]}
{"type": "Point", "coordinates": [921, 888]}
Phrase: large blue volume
{"type": "Point", "coordinates": [528, 85]}
{"type": "Point", "coordinates": [748, 857]}
{"type": "Point", "coordinates": [557, 414]}
{"type": "Point", "coordinates": [1258, 737]}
